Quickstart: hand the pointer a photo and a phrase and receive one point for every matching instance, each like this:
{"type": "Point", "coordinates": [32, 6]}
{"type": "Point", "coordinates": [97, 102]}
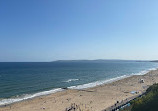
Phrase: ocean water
{"type": "Point", "coordinates": [24, 80]}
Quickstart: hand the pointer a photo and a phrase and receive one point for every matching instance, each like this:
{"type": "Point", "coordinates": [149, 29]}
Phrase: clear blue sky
{"type": "Point", "coordinates": [47, 30]}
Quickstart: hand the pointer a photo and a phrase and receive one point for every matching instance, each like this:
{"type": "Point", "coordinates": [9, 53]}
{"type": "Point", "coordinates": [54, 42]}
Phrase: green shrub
{"type": "Point", "coordinates": [148, 102]}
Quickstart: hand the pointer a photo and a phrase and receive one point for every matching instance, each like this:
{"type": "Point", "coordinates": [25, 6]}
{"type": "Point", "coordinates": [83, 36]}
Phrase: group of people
{"type": "Point", "coordinates": [75, 107]}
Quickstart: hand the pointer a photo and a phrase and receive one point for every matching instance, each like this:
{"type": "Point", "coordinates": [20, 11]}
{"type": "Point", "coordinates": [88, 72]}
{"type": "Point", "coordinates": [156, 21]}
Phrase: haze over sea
{"type": "Point", "coordinates": [23, 80]}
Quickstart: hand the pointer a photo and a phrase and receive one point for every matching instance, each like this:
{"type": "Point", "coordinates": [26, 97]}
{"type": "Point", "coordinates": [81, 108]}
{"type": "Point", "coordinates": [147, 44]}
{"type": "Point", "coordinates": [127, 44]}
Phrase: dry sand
{"type": "Point", "coordinates": [92, 99]}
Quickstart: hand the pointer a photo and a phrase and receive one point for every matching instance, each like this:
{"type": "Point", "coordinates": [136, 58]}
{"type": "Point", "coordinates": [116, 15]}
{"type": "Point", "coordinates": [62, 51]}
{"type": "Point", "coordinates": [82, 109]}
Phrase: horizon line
{"type": "Point", "coordinates": [82, 60]}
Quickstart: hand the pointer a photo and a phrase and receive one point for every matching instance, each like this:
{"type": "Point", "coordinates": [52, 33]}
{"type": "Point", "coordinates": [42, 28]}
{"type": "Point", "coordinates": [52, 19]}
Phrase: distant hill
{"type": "Point", "coordinates": [154, 61]}
{"type": "Point", "coordinates": [142, 61]}
{"type": "Point", "coordinates": [98, 60]}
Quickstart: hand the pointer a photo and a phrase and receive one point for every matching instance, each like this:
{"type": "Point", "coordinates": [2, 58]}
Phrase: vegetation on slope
{"type": "Point", "coordinates": [148, 102]}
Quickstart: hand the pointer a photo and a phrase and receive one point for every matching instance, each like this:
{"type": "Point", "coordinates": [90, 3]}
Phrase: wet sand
{"type": "Point", "coordinates": [91, 99]}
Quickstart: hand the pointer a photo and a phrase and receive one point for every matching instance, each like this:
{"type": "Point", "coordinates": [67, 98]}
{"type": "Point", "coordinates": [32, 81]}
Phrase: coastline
{"type": "Point", "coordinates": [95, 99]}
{"type": "Point", "coordinates": [4, 102]}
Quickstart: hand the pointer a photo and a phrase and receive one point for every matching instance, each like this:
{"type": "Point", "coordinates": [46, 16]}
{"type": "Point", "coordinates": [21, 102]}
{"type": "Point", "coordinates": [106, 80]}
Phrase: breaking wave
{"type": "Point", "coordinates": [70, 80]}
{"type": "Point", "coordinates": [28, 96]}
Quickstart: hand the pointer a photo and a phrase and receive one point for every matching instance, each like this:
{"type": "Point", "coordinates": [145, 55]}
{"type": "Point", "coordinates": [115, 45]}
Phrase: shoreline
{"type": "Point", "coordinates": [9, 101]}
{"type": "Point", "coordinates": [66, 97]}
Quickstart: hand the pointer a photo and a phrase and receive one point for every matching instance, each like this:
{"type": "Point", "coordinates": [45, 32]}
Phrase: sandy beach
{"type": "Point", "coordinates": [91, 99]}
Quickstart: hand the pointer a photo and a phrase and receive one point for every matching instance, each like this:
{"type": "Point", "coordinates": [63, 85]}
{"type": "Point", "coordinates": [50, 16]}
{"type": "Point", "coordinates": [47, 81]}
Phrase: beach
{"type": "Point", "coordinates": [91, 99]}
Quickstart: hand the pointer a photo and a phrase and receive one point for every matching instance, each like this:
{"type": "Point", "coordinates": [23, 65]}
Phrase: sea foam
{"type": "Point", "coordinates": [70, 80]}
{"type": "Point", "coordinates": [28, 96]}
{"type": "Point", "coordinates": [93, 84]}
{"type": "Point", "coordinates": [145, 71]}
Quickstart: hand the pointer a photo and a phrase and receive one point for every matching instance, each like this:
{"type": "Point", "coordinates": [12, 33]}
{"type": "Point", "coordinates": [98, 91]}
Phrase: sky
{"type": "Point", "coordinates": [48, 30]}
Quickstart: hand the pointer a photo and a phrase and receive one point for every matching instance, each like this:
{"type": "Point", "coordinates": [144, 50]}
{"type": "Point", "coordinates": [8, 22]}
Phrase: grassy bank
{"type": "Point", "coordinates": [148, 102]}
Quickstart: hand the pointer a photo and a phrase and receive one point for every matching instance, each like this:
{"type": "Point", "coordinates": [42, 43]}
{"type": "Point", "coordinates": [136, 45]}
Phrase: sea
{"type": "Point", "coordinates": [24, 80]}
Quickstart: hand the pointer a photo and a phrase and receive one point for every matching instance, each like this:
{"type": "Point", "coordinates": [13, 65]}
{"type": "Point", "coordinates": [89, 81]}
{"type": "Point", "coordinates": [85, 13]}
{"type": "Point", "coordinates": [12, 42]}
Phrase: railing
{"type": "Point", "coordinates": [124, 103]}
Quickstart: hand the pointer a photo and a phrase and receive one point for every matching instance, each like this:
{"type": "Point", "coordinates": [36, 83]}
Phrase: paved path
{"type": "Point", "coordinates": [118, 105]}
